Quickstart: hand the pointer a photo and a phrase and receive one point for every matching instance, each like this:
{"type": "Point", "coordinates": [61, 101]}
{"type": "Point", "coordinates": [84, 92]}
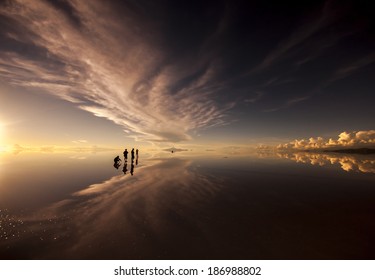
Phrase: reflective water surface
{"type": "Point", "coordinates": [180, 206]}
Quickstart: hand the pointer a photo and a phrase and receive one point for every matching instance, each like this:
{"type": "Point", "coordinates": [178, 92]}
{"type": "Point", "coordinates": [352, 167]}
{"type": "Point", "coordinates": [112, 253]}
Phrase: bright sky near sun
{"type": "Point", "coordinates": [1, 132]}
{"type": "Point", "coordinates": [209, 73]}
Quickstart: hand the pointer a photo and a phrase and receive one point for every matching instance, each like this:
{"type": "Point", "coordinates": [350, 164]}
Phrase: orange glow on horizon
{"type": "Point", "coordinates": [1, 136]}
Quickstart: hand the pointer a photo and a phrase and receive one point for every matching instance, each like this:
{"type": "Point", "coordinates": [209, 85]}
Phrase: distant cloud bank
{"type": "Point", "coordinates": [355, 139]}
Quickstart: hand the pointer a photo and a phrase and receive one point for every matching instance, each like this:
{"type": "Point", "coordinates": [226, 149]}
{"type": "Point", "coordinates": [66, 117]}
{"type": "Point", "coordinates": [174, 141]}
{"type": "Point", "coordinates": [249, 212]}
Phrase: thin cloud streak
{"type": "Point", "coordinates": [257, 97]}
{"type": "Point", "coordinates": [297, 37]}
{"type": "Point", "coordinates": [287, 104]}
{"type": "Point", "coordinates": [351, 68]}
{"type": "Point", "coordinates": [109, 69]}
{"type": "Point", "coordinates": [317, 35]}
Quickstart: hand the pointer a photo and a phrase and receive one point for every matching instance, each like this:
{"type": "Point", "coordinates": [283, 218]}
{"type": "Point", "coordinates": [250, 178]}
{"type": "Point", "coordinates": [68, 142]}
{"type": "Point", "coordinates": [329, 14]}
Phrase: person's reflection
{"type": "Point", "coordinates": [132, 168]}
{"type": "Point", "coordinates": [125, 168]}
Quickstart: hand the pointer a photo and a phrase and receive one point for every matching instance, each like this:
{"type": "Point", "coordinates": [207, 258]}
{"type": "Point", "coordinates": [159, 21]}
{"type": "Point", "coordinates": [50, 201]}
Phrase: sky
{"type": "Point", "coordinates": [186, 73]}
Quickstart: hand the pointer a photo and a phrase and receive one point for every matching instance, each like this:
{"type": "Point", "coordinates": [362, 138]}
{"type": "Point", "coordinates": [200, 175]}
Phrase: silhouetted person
{"type": "Point", "coordinates": [125, 168]}
{"type": "Point", "coordinates": [132, 152]}
{"type": "Point", "coordinates": [126, 154]}
{"type": "Point", "coordinates": [136, 152]}
{"type": "Point", "coordinates": [132, 168]}
{"type": "Point", "coordinates": [117, 162]}
{"type": "Point", "coordinates": [136, 157]}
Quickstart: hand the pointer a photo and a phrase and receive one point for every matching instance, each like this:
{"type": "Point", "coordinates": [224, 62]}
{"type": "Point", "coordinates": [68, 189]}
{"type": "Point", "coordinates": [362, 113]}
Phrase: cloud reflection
{"type": "Point", "coordinates": [349, 163]}
{"type": "Point", "coordinates": [164, 196]}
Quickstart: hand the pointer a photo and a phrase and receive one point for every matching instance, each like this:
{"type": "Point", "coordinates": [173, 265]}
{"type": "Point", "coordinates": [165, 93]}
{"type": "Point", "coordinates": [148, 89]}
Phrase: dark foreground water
{"type": "Point", "coordinates": [179, 206]}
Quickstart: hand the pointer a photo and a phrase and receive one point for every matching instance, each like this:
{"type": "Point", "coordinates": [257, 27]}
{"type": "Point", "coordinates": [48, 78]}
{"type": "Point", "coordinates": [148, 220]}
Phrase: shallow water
{"type": "Point", "coordinates": [180, 206]}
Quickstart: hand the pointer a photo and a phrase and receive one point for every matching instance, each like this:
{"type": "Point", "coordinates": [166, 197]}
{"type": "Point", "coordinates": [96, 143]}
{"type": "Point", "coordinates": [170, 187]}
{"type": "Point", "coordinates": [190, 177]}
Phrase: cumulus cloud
{"type": "Point", "coordinates": [264, 147]}
{"type": "Point", "coordinates": [112, 67]}
{"type": "Point", "coordinates": [364, 138]}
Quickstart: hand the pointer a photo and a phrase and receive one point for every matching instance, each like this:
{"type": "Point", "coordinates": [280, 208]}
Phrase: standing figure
{"type": "Point", "coordinates": [132, 152]}
{"type": "Point", "coordinates": [126, 154]}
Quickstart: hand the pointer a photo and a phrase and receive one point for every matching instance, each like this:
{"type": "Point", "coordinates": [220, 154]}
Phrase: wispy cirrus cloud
{"type": "Point", "coordinates": [352, 67]}
{"type": "Point", "coordinates": [80, 141]}
{"type": "Point", "coordinates": [298, 36]}
{"type": "Point", "coordinates": [288, 103]}
{"type": "Point", "coordinates": [310, 43]}
{"type": "Point", "coordinates": [283, 62]}
{"type": "Point", "coordinates": [258, 96]}
{"type": "Point", "coordinates": [110, 66]}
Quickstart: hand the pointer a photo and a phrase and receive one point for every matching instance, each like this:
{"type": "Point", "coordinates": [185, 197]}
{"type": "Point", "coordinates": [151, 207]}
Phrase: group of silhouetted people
{"type": "Point", "coordinates": [117, 161]}
{"type": "Point", "coordinates": [132, 154]}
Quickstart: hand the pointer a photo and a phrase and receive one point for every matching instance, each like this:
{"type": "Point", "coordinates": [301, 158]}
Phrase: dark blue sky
{"type": "Point", "coordinates": [175, 71]}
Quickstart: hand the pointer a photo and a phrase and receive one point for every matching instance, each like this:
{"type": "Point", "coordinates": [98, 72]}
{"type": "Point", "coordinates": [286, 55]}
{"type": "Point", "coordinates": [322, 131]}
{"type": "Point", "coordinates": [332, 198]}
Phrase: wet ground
{"type": "Point", "coordinates": [180, 206]}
